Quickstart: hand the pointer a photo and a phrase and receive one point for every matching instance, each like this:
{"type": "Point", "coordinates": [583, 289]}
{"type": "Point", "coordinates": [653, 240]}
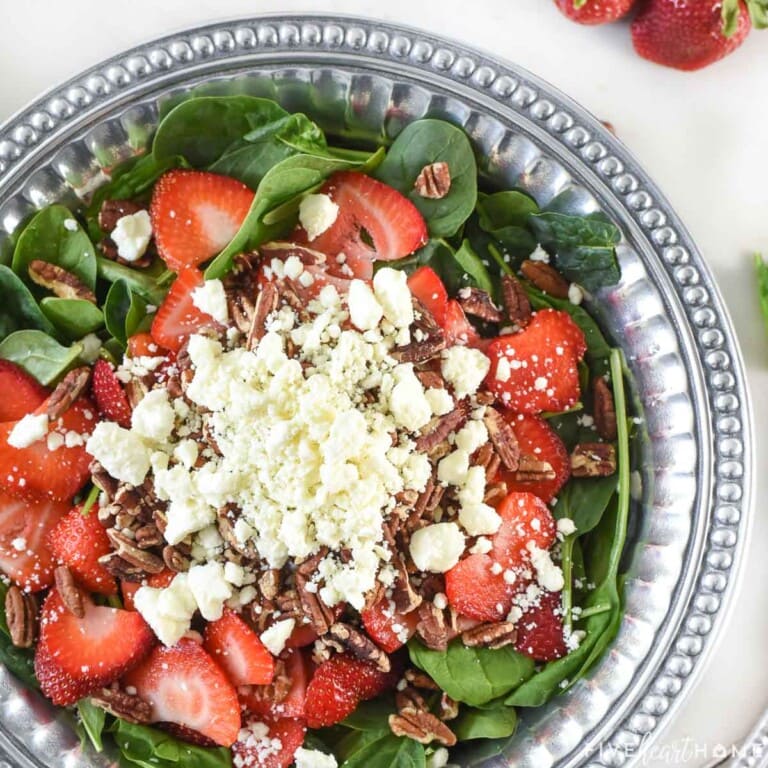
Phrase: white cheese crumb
{"type": "Point", "coordinates": [168, 611]}
{"type": "Point", "coordinates": [316, 214]}
{"type": "Point", "coordinates": [131, 235]}
{"type": "Point", "coordinates": [548, 575]}
{"type": "Point", "coordinates": [439, 401]}
{"type": "Point", "coordinates": [313, 758]}
{"type": "Point", "coordinates": [364, 311]}
{"type": "Point", "coordinates": [209, 588]}
{"type": "Point", "coordinates": [464, 368]}
{"type": "Point", "coordinates": [566, 526]}
{"type": "Point", "coordinates": [482, 546]}
{"type": "Point", "coordinates": [153, 417]}
{"type": "Point", "coordinates": [438, 759]}
{"type": "Point", "coordinates": [539, 254]}
{"type": "Point", "coordinates": [211, 299]}
{"type": "Point", "coordinates": [19, 543]}
{"type": "Point", "coordinates": [392, 292]}
{"type": "Point", "coordinates": [277, 635]}
{"type": "Point", "coordinates": [437, 548]}
{"type": "Point", "coordinates": [120, 451]}
{"type": "Point", "coordinates": [453, 468]}
{"type": "Point", "coordinates": [91, 347]}
{"type": "Point", "coordinates": [479, 520]}
{"type": "Point", "coordinates": [575, 294]}
{"type": "Point", "coordinates": [503, 371]}
{"type": "Point", "coordinates": [408, 402]}
{"type": "Point", "coordinates": [70, 225]}
{"type": "Point", "coordinates": [471, 436]}
{"type": "Point", "coordinates": [28, 430]}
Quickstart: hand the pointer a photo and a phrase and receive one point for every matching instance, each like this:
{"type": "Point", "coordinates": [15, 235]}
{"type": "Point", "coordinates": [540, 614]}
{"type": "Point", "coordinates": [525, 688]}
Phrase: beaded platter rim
{"type": "Point", "coordinates": [720, 506]}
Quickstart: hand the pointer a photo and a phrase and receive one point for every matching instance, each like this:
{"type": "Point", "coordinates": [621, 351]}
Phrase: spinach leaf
{"type": "Point", "coordinates": [762, 286]}
{"type": "Point", "coordinates": [73, 317]}
{"type": "Point", "coordinates": [40, 355]}
{"type": "Point", "coordinates": [590, 266]}
{"type": "Point", "coordinates": [496, 722]}
{"type": "Point", "coordinates": [150, 748]}
{"type": "Point", "coordinates": [473, 267]}
{"type": "Point", "coordinates": [19, 661]}
{"type": "Point", "coordinates": [368, 750]}
{"type": "Point", "coordinates": [124, 311]}
{"type": "Point", "coordinates": [146, 283]}
{"type": "Point", "coordinates": [92, 720]}
{"type": "Point", "coordinates": [505, 209]}
{"type": "Point", "coordinates": [430, 141]}
{"type": "Point", "coordinates": [472, 675]}
{"type": "Point", "coordinates": [585, 500]}
{"type": "Point", "coordinates": [53, 235]}
{"type": "Point", "coordinates": [19, 309]}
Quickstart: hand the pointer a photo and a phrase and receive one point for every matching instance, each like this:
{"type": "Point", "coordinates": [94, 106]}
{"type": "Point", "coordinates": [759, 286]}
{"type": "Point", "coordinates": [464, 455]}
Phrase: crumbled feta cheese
{"type": "Point", "coordinates": [479, 520]}
{"type": "Point", "coordinates": [539, 254]}
{"type": "Point", "coordinates": [70, 225]}
{"type": "Point", "coordinates": [548, 575]}
{"type": "Point", "coordinates": [153, 417]}
{"type": "Point", "coordinates": [168, 611]}
{"type": "Point", "coordinates": [438, 759]}
{"type": "Point", "coordinates": [439, 401]}
{"type": "Point", "coordinates": [209, 588]}
{"type": "Point", "coordinates": [471, 436]}
{"type": "Point", "coordinates": [437, 548]}
{"type": "Point", "coordinates": [453, 468]}
{"type": "Point", "coordinates": [91, 344]}
{"type": "Point", "coordinates": [392, 293]}
{"type": "Point", "coordinates": [503, 370]}
{"type": "Point", "coordinates": [575, 294]}
{"type": "Point", "coordinates": [277, 635]}
{"type": "Point", "coordinates": [316, 214]}
{"type": "Point", "coordinates": [313, 758]}
{"type": "Point", "coordinates": [482, 546]}
{"type": "Point", "coordinates": [408, 401]}
{"type": "Point", "coordinates": [132, 234]}
{"type": "Point", "coordinates": [120, 451]}
{"type": "Point", "coordinates": [364, 311]}
{"type": "Point", "coordinates": [211, 299]}
{"type": "Point", "coordinates": [566, 526]}
{"type": "Point", "coordinates": [19, 543]}
{"type": "Point", "coordinates": [464, 369]}
{"type": "Point", "coordinates": [28, 430]}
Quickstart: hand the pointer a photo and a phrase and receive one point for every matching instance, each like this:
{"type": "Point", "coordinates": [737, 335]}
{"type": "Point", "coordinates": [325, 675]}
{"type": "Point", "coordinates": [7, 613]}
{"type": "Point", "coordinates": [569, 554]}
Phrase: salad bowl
{"type": "Point", "coordinates": [363, 82]}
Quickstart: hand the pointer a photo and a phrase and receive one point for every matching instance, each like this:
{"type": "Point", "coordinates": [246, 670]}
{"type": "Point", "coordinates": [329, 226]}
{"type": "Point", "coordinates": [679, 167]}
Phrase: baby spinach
{"type": "Point", "coordinates": [505, 209]}
{"type": "Point", "coordinates": [53, 235]}
{"type": "Point", "coordinates": [73, 317]}
{"type": "Point", "coordinates": [472, 675]}
{"type": "Point", "coordinates": [146, 283]}
{"type": "Point", "coordinates": [761, 269]}
{"type": "Point", "coordinates": [431, 141]}
{"type": "Point", "coordinates": [20, 661]}
{"type": "Point", "coordinates": [497, 722]}
{"type": "Point", "coordinates": [473, 267]}
{"type": "Point", "coordinates": [39, 355]}
{"type": "Point", "coordinates": [19, 309]}
{"type": "Point", "coordinates": [91, 723]}
{"type": "Point", "coordinates": [387, 751]}
{"type": "Point", "coordinates": [124, 311]}
{"type": "Point", "coordinates": [585, 500]}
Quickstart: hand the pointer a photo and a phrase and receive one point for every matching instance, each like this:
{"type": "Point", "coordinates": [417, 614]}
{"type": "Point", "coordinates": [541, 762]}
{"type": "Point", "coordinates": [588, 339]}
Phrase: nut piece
{"type": "Point", "coordinates": [126, 706]}
{"type": "Point", "coordinates": [69, 592]}
{"type": "Point", "coordinates": [410, 700]}
{"type": "Point", "coordinates": [516, 301]}
{"type": "Point", "coordinates": [112, 211]}
{"type": "Point", "coordinates": [434, 181]}
{"type": "Point", "coordinates": [21, 617]}
{"type": "Point", "coordinates": [128, 551]}
{"type": "Point", "coordinates": [593, 460]}
{"type": "Point", "coordinates": [494, 635]}
{"type": "Point", "coordinates": [531, 470]}
{"type": "Point", "coordinates": [359, 645]}
{"type": "Point", "coordinates": [175, 559]}
{"type": "Point", "coordinates": [423, 727]}
{"type": "Point", "coordinates": [545, 278]}
{"type": "Point", "coordinates": [478, 303]}
{"type": "Point", "coordinates": [266, 303]}
{"type": "Point", "coordinates": [503, 438]}
{"type": "Point", "coordinates": [419, 679]}
{"type": "Point", "coordinates": [61, 283]}
{"type": "Point", "coordinates": [605, 411]}
{"type": "Point", "coordinates": [67, 391]}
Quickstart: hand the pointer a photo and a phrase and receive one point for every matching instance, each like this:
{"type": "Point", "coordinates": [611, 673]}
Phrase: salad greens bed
{"type": "Point", "coordinates": [475, 237]}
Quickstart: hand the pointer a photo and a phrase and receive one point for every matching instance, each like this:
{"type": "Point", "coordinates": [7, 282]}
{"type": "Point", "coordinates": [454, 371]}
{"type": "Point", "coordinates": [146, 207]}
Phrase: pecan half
{"type": "Point", "coordinates": [126, 706]}
{"type": "Point", "coordinates": [266, 303]}
{"type": "Point", "coordinates": [494, 635]}
{"type": "Point", "coordinates": [404, 596]}
{"type": "Point", "coordinates": [604, 410]}
{"type": "Point", "coordinates": [67, 391]}
{"type": "Point", "coordinates": [103, 480]}
{"type": "Point", "coordinates": [532, 470]}
{"type": "Point", "coordinates": [148, 536]}
{"type": "Point", "coordinates": [21, 617]}
{"type": "Point", "coordinates": [516, 301]}
{"type": "Point", "coordinates": [174, 559]}
{"type": "Point", "coordinates": [121, 568]}
{"type": "Point", "coordinates": [420, 351]}
{"type": "Point", "coordinates": [546, 278]}
{"type": "Point", "coordinates": [112, 211]}
{"type": "Point", "coordinates": [478, 303]}
{"type": "Point", "coordinates": [433, 181]}
{"type": "Point", "coordinates": [430, 379]}
{"type": "Point", "coordinates": [503, 438]}
{"type": "Point", "coordinates": [359, 645]}
{"type": "Point", "coordinates": [593, 460]}
{"type": "Point", "coordinates": [320, 614]}
{"type": "Point", "coordinates": [494, 493]}
{"type": "Point", "coordinates": [420, 679]}
{"type": "Point", "coordinates": [423, 727]}
{"type": "Point", "coordinates": [410, 700]}
{"type": "Point", "coordinates": [59, 281]}
{"type": "Point", "coordinates": [69, 592]}
{"type": "Point", "coordinates": [128, 551]}
{"type": "Point", "coordinates": [433, 628]}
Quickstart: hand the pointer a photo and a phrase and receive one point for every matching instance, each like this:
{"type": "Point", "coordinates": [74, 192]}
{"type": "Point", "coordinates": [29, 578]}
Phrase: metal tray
{"type": "Point", "coordinates": [365, 80]}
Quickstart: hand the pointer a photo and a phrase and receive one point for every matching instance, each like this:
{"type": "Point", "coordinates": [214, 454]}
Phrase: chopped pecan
{"type": "Point", "coordinates": [112, 211]}
{"type": "Point", "coordinates": [419, 351]}
{"type": "Point", "coordinates": [59, 281]}
{"type": "Point", "coordinates": [532, 470]}
{"type": "Point", "coordinates": [410, 700]}
{"type": "Point", "coordinates": [174, 559]}
{"type": "Point", "coordinates": [321, 616]}
{"type": "Point", "coordinates": [423, 727]}
{"type": "Point", "coordinates": [148, 536]}
{"type": "Point", "coordinates": [126, 706]}
{"type": "Point", "coordinates": [103, 480]}
{"type": "Point", "coordinates": [503, 438]}
{"type": "Point", "coordinates": [493, 635]}
{"type": "Point", "coordinates": [227, 531]}
{"type": "Point", "coordinates": [404, 596]}
{"type": "Point", "coordinates": [241, 309]}
{"type": "Point", "coordinates": [128, 551]}
{"type": "Point", "coordinates": [276, 692]}
{"type": "Point", "coordinates": [109, 250]}
{"type": "Point", "coordinates": [546, 278]}
{"type": "Point", "coordinates": [604, 410]}
{"type": "Point", "coordinates": [121, 568]}
{"type": "Point", "coordinates": [21, 617]}
{"type": "Point", "coordinates": [67, 391]}
{"type": "Point", "coordinates": [439, 428]}
{"type": "Point", "coordinates": [69, 592]}
{"type": "Point", "coordinates": [516, 301]}
{"type": "Point", "coordinates": [593, 460]}
{"type": "Point", "coordinates": [135, 390]}
{"type": "Point", "coordinates": [420, 679]}
{"type": "Point", "coordinates": [269, 583]}
{"type": "Point", "coordinates": [478, 303]}
{"type": "Point", "coordinates": [433, 181]}
{"type": "Point", "coordinates": [494, 493]}
{"type": "Point", "coordinates": [433, 628]}
{"type": "Point", "coordinates": [266, 304]}
{"type": "Point", "coordinates": [359, 645]}
{"type": "Point", "coordinates": [449, 708]}
{"type": "Point", "coordinates": [430, 379]}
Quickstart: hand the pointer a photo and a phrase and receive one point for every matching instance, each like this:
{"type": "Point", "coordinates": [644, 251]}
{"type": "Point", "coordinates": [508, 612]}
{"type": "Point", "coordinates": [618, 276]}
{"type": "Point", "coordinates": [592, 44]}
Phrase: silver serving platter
{"type": "Point", "coordinates": [365, 80]}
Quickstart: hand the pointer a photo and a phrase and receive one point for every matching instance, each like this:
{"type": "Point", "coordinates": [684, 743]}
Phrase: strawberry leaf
{"type": "Point", "coordinates": [730, 13]}
{"type": "Point", "coordinates": [762, 286]}
{"type": "Point", "coordinates": [577, 4]}
{"type": "Point", "coordinates": [758, 12]}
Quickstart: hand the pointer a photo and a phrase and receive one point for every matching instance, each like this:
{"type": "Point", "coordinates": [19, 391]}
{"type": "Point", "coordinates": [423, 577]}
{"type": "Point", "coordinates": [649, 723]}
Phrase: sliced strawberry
{"type": "Point", "coordinates": [536, 438]}
{"type": "Point", "coordinates": [539, 371]}
{"type": "Point", "coordinates": [374, 222]}
{"type": "Point", "coordinates": [24, 528]}
{"type": "Point", "coordinates": [128, 589]}
{"type": "Point", "coordinates": [458, 330]}
{"type": "Point", "coordinates": [239, 651]}
{"type": "Point", "coordinates": [187, 734]}
{"type": "Point", "coordinates": [37, 470]}
{"type": "Point", "coordinates": [525, 520]}
{"type": "Point", "coordinates": [109, 396]}
{"type": "Point", "coordinates": [475, 587]}
{"type": "Point", "coordinates": [143, 345]}
{"type": "Point", "coordinates": [22, 393]}
{"type": "Point", "coordinates": [195, 214]}
{"type": "Point", "coordinates": [78, 541]}
{"type": "Point", "coordinates": [320, 269]}
{"type": "Point", "coordinates": [339, 685]}
{"type": "Point", "coordinates": [302, 636]}
{"type": "Point", "coordinates": [178, 317]}
{"type": "Point", "coordinates": [265, 743]}
{"type": "Point", "coordinates": [74, 657]}
{"type": "Point", "coordinates": [540, 629]}
{"type": "Point", "coordinates": [274, 701]}
{"type": "Point", "coordinates": [387, 628]}
{"type": "Point", "coordinates": [428, 288]}
{"type": "Point", "coordinates": [184, 685]}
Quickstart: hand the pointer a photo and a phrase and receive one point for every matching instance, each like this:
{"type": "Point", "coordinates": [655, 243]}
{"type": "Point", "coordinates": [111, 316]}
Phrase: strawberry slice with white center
{"type": "Point", "coordinates": [184, 685]}
{"type": "Point", "coordinates": [178, 317]}
{"type": "Point", "coordinates": [195, 214]}
{"type": "Point", "coordinates": [76, 656]}
{"type": "Point", "coordinates": [274, 701]}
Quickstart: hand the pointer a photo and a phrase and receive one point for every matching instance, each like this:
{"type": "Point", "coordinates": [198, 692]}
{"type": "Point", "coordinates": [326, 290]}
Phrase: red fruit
{"type": "Point", "coordinates": [258, 747]}
{"type": "Point", "coordinates": [261, 700]}
{"type": "Point", "coordinates": [178, 317]}
{"type": "Point", "coordinates": [24, 528]}
{"type": "Point", "coordinates": [458, 330]}
{"type": "Point", "coordinates": [184, 685]}
{"type": "Point", "coordinates": [128, 589]}
{"type": "Point", "coordinates": [387, 628]}
{"type": "Point", "coordinates": [187, 734]}
{"type": "Point", "coordinates": [536, 438]}
{"type": "Point", "coordinates": [525, 519]}
{"type": "Point", "coordinates": [475, 587]}
{"type": "Point", "coordinates": [195, 214]}
{"type": "Point", "coordinates": [22, 393]}
{"type": "Point", "coordinates": [369, 212]}
{"type": "Point", "coordinates": [540, 372]}
{"type": "Point", "coordinates": [78, 541]}
{"type": "Point", "coordinates": [540, 630]}
{"type": "Point", "coordinates": [143, 345]}
{"type": "Point", "coordinates": [75, 657]}
{"type": "Point", "coordinates": [302, 636]}
{"type": "Point", "coordinates": [36, 470]}
{"type": "Point", "coordinates": [688, 34]}
{"type": "Point", "coordinates": [595, 11]}
{"type": "Point", "coordinates": [339, 685]}
{"type": "Point", "coordinates": [323, 271]}
{"type": "Point", "coordinates": [428, 288]}
{"type": "Point", "coordinates": [239, 651]}
{"type": "Point", "coordinates": [109, 396]}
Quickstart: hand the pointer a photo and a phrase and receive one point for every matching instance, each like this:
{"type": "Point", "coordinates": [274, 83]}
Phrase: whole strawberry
{"type": "Point", "coordinates": [691, 34]}
{"type": "Point", "coordinates": [595, 11]}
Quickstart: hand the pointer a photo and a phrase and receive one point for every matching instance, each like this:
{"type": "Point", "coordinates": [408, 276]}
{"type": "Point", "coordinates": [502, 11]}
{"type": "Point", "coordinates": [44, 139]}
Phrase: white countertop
{"type": "Point", "coordinates": [701, 136]}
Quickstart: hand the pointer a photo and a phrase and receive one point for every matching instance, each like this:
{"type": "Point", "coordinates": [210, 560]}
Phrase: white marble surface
{"type": "Point", "coordinates": [701, 136]}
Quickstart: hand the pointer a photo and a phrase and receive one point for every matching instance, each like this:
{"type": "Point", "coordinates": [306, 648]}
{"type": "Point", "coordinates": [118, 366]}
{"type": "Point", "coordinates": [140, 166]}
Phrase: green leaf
{"type": "Point", "coordinates": [92, 721]}
{"type": "Point", "coordinates": [145, 283]}
{"type": "Point", "coordinates": [498, 722]}
{"type": "Point", "coordinates": [762, 286]}
{"type": "Point", "coordinates": [473, 267]}
{"type": "Point", "coordinates": [731, 11]}
{"type": "Point", "coordinates": [593, 267]}
{"type": "Point", "coordinates": [430, 141]}
{"type": "Point", "coordinates": [758, 12]}
{"type": "Point", "coordinates": [40, 355]}
{"type": "Point", "coordinates": [387, 751]}
{"type": "Point", "coordinates": [19, 309]}
{"type": "Point", "coordinates": [124, 311]}
{"type": "Point", "coordinates": [472, 675]}
{"type": "Point", "coordinates": [505, 209]}
{"type": "Point", "coordinates": [73, 317]}
{"type": "Point", "coordinates": [585, 500]}
{"type": "Point", "coordinates": [20, 661]}
{"type": "Point", "coordinates": [53, 235]}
